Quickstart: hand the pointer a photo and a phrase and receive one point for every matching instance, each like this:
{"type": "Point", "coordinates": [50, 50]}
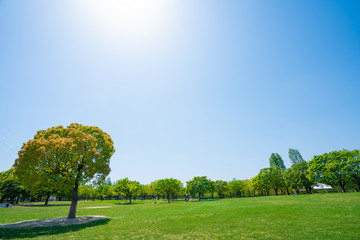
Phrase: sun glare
{"type": "Point", "coordinates": [134, 20]}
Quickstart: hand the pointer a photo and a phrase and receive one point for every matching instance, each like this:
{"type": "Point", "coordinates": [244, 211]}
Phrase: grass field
{"type": "Point", "coordinates": [318, 216]}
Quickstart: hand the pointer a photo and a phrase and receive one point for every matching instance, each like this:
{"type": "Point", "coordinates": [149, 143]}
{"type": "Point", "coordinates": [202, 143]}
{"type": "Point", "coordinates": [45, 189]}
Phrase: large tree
{"type": "Point", "coordinates": [64, 158]}
{"type": "Point", "coordinates": [169, 186]}
{"type": "Point", "coordinates": [199, 185]}
{"type": "Point", "coordinates": [127, 187]}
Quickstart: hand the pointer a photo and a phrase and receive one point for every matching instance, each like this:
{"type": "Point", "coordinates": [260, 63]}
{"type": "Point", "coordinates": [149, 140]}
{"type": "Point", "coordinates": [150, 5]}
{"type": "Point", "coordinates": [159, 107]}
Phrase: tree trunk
{"type": "Point", "coordinates": [287, 190]}
{"type": "Point", "coordinates": [74, 200]}
{"type": "Point", "coordinates": [199, 196]}
{"type": "Point", "coordinates": [168, 197]}
{"type": "Point", "coordinates": [130, 199]}
{"type": "Point", "coordinates": [357, 181]}
{"type": "Point", "coordinates": [47, 199]}
{"type": "Point", "coordinates": [276, 192]}
{"type": "Point", "coordinates": [342, 185]}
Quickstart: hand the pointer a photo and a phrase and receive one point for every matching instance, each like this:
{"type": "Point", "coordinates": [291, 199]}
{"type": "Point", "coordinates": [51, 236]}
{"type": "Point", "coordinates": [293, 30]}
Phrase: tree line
{"type": "Point", "coordinates": [72, 163]}
{"type": "Point", "coordinates": [339, 169]}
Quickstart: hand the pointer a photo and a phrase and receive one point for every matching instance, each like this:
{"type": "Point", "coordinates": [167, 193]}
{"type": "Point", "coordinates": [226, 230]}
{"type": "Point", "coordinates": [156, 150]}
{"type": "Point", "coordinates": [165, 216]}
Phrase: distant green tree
{"type": "Point", "coordinates": [154, 189]}
{"type": "Point", "coordinates": [297, 177]}
{"type": "Point", "coordinates": [277, 161]}
{"type": "Point", "coordinates": [221, 187]}
{"type": "Point", "coordinates": [199, 185]}
{"type": "Point", "coordinates": [105, 191]}
{"type": "Point", "coordinates": [108, 181]}
{"type": "Point", "coordinates": [236, 187]}
{"type": "Point", "coordinates": [295, 156]}
{"type": "Point", "coordinates": [331, 168]}
{"type": "Point", "coordinates": [10, 187]}
{"type": "Point", "coordinates": [85, 192]}
{"type": "Point", "coordinates": [273, 177]}
{"type": "Point", "coordinates": [127, 188]}
{"type": "Point", "coordinates": [292, 179]}
{"type": "Point", "coordinates": [169, 187]}
{"type": "Point", "coordinates": [261, 183]}
{"type": "Point", "coordinates": [145, 191]}
{"type": "Point", "coordinates": [212, 188]}
{"type": "Point", "coordinates": [248, 186]}
{"type": "Point", "coordinates": [354, 169]}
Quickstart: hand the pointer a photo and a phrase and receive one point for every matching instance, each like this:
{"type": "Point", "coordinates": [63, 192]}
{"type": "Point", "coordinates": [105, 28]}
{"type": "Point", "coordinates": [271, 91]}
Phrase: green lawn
{"type": "Point", "coordinates": [318, 216]}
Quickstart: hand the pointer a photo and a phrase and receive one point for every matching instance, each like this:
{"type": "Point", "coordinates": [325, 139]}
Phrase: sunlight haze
{"type": "Point", "coordinates": [184, 88]}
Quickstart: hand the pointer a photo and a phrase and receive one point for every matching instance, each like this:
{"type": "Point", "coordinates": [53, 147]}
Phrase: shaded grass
{"type": "Point", "coordinates": [44, 231]}
{"type": "Point", "coordinates": [319, 216]}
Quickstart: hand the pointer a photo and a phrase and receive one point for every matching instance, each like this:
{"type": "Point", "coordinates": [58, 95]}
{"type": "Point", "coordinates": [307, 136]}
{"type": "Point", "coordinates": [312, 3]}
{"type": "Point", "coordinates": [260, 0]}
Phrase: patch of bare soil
{"type": "Point", "coordinates": [51, 222]}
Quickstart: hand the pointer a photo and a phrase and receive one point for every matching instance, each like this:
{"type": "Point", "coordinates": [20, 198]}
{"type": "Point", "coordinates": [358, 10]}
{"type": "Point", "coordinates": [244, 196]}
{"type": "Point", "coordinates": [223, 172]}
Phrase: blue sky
{"type": "Point", "coordinates": [184, 88]}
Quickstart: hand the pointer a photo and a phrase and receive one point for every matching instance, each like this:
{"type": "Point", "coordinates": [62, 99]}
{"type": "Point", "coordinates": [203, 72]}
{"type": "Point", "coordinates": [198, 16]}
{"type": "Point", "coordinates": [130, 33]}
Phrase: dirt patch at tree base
{"type": "Point", "coordinates": [51, 222]}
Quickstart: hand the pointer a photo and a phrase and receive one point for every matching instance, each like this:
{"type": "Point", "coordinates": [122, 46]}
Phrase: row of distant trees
{"type": "Point", "coordinates": [339, 169]}
{"type": "Point", "coordinates": [169, 188]}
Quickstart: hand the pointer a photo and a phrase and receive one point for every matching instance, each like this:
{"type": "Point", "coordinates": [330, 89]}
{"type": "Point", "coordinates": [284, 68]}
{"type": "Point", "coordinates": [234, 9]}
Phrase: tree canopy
{"type": "Point", "coordinates": [276, 161]}
{"type": "Point", "coordinates": [236, 187]}
{"type": "Point", "coordinates": [199, 185]}
{"type": "Point", "coordinates": [337, 168]}
{"type": "Point", "coordinates": [295, 156]}
{"type": "Point", "coordinates": [127, 187]}
{"type": "Point", "coordinates": [169, 186]}
{"type": "Point", "coordinates": [221, 187]}
{"type": "Point", "coordinates": [297, 177]}
{"type": "Point", "coordinates": [62, 158]}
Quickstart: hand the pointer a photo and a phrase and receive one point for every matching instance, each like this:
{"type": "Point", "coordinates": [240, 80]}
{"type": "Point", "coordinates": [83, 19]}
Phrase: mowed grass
{"type": "Point", "coordinates": [318, 216]}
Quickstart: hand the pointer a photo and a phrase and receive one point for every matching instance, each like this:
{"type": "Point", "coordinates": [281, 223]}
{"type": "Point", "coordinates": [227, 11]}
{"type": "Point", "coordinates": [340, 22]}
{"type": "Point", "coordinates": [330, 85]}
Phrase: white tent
{"type": "Point", "coordinates": [322, 186]}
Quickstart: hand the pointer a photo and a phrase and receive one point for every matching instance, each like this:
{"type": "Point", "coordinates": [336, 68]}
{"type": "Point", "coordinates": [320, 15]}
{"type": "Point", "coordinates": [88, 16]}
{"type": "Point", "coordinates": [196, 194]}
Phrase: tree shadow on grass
{"type": "Point", "coordinates": [49, 205]}
{"type": "Point", "coordinates": [127, 203]}
{"type": "Point", "coordinates": [204, 200]}
{"type": "Point", "coordinates": [12, 233]}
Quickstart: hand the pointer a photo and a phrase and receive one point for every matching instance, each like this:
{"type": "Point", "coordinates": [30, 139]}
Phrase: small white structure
{"type": "Point", "coordinates": [52, 198]}
{"type": "Point", "coordinates": [322, 186]}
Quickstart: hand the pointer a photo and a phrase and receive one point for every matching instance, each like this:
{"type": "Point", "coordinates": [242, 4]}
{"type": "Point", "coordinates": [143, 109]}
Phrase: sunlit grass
{"type": "Point", "coordinates": [319, 216]}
